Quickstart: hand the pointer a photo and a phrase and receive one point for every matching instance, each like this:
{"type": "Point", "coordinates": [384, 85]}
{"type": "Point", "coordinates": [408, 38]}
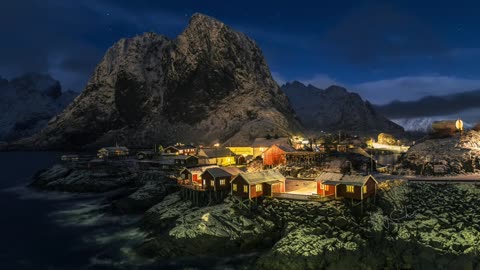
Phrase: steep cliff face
{"type": "Point", "coordinates": [210, 83]}
{"type": "Point", "coordinates": [28, 102]}
{"type": "Point", "coordinates": [336, 109]}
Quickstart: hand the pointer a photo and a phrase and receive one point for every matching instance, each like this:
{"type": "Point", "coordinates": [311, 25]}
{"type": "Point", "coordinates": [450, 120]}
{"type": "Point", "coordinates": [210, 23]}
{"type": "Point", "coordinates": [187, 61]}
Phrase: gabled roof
{"type": "Point", "coordinates": [264, 142]}
{"type": "Point", "coordinates": [232, 170]}
{"type": "Point", "coordinates": [254, 178]}
{"type": "Point", "coordinates": [199, 168]}
{"type": "Point", "coordinates": [217, 172]}
{"type": "Point", "coordinates": [216, 152]}
{"type": "Point", "coordinates": [344, 179]}
{"type": "Point", "coordinates": [286, 148]}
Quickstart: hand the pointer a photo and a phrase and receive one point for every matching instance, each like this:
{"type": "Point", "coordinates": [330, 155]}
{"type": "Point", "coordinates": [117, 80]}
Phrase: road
{"type": "Point", "coordinates": [471, 178]}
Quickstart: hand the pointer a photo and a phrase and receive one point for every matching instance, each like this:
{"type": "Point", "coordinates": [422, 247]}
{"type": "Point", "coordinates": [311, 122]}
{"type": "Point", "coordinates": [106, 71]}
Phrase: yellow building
{"type": "Point", "coordinates": [241, 150]}
{"type": "Point", "coordinates": [218, 156]}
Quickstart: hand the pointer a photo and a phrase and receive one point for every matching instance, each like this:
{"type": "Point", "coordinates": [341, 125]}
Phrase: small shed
{"type": "Point", "coordinates": [349, 186]}
{"type": "Point", "coordinates": [256, 184]}
{"type": "Point", "coordinates": [218, 178]}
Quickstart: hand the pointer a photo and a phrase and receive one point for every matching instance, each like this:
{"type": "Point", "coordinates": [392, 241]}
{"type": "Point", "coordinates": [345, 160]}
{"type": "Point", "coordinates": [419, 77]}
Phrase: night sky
{"type": "Point", "coordinates": [401, 50]}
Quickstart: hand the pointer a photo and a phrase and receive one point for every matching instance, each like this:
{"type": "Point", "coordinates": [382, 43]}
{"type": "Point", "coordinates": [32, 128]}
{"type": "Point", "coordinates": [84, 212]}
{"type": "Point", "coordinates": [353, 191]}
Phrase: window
{"type": "Point", "coordinates": [212, 183]}
{"type": "Point", "coordinates": [350, 189]}
{"type": "Point", "coordinates": [322, 186]}
{"type": "Point", "coordinates": [364, 189]}
{"type": "Point", "coordinates": [234, 187]}
{"type": "Point", "coordinates": [222, 182]}
{"type": "Point", "coordinates": [327, 188]}
{"type": "Point", "coordinates": [204, 182]}
{"type": "Point", "coordinates": [245, 189]}
{"type": "Point", "coordinates": [258, 187]}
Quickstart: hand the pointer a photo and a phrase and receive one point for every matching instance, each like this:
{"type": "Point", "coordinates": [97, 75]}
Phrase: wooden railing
{"type": "Point", "coordinates": [301, 197]}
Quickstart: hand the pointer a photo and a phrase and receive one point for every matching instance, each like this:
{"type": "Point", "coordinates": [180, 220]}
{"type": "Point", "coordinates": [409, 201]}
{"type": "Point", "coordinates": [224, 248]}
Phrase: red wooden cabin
{"type": "Point", "coordinates": [356, 187]}
{"type": "Point", "coordinates": [275, 155]}
{"type": "Point", "coordinates": [256, 184]}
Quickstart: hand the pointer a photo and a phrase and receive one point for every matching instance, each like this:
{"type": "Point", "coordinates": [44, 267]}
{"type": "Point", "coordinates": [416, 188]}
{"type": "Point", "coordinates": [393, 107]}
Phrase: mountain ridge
{"type": "Point", "coordinates": [335, 108]}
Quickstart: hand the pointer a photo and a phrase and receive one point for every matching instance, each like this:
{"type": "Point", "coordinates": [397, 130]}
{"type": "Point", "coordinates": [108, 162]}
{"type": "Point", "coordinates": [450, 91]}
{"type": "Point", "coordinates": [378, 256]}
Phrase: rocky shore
{"type": "Point", "coordinates": [458, 154]}
{"type": "Point", "coordinates": [408, 226]}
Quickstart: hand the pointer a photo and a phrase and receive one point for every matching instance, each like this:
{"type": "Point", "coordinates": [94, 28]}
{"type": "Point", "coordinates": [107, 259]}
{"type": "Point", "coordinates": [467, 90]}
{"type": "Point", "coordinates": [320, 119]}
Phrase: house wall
{"type": "Point", "coordinates": [330, 191]}
{"type": "Point", "coordinates": [240, 182]}
{"type": "Point", "coordinates": [217, 186]}
{"type": "Point", "coordinates": [274, 156]}
{"type": "Point", "coordinates": [370, 188]}
{"type": "Point", "coordinates": [241, 150]}
{"type": "Point", "coordinates": [254, 193]}
{"type": "Point", "coordinates": [342, 192]}
{"type": "Point", "coordinates": [206, 181]}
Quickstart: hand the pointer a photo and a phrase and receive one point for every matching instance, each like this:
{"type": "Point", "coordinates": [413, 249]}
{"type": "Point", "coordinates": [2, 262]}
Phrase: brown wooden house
{"type": "Point", "coordinates": [348, 186]}
{"type": "Point", "coordinates": [256, 184]}
{"type": "Point", "coordinates": [218, 178]}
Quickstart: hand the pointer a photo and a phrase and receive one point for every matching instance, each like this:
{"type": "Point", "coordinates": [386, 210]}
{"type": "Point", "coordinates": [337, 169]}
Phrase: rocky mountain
{"type": "Point", "coordinates": [335, 109]}
{"type": "Point", "coordinates": [211, 83]}
{"type": "Point", "coordinates": [28, 102]}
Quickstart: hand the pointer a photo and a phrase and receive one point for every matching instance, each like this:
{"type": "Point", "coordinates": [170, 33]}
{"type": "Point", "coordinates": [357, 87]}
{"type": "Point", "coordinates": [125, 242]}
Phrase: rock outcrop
{"type": "Point", "coordinates": [335, 109]}
{"type": "Point", "coordinates": [28, 102]}
{"type": "Point", "coordinates": [64, 178]}
{"type": "Point", "coordinates": [210, 83]}
{"type": "Point", "coordinates": [458, 154]}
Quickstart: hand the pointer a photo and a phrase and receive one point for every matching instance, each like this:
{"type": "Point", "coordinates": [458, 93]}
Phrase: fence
{"type": "Point", "coordinates": [302, 197]}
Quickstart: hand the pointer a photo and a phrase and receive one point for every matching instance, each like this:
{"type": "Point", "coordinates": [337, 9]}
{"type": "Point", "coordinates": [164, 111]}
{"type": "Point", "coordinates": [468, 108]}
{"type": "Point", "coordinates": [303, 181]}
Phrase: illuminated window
{"type": "Point", "coordinates": [258, 187]}
{"type": "Point", "coordinates": [245, 189]}
{"type": "Point", "coordinates": [327, 188]}
{"type": "Point", "coordinates": [222, 182]}
{"type": "Point", "coordinates": [212, 183]}
{"type": "Point", "coordinates": [204, 182]}
{"type": "Point", "coordinates": [350, 189]}
{"type": "Point", "coordinates": [322, 186]}
{"type": "Point", "coordinates": [234, 187]}
{"type": "Point", "coordinates": [364, 189]}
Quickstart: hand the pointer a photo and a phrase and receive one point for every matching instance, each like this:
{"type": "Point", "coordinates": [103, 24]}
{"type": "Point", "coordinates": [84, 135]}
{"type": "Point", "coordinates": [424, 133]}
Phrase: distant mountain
{"type": "Point", "coordinates": [209, 84]}
{"type": "Point", "coordinates": [335, 109]}
{"type": "Point", "coordinates": [432, 105]}
{"type": "Point", "coordinates": [28, 102]}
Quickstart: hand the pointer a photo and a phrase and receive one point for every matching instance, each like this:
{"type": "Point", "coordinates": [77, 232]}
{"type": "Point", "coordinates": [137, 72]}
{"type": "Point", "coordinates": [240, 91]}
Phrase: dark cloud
{"type": "Point", "coordinates": [379, 33]}
{"type": "Point", "coordinates": [67, 39]}
{"type": "Point", "coordinates": [432, 106]}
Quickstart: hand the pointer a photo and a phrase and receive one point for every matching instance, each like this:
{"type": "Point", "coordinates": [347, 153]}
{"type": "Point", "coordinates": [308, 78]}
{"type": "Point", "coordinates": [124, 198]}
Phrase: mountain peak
{"type": "Point", "coordinates": [205, 22]}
